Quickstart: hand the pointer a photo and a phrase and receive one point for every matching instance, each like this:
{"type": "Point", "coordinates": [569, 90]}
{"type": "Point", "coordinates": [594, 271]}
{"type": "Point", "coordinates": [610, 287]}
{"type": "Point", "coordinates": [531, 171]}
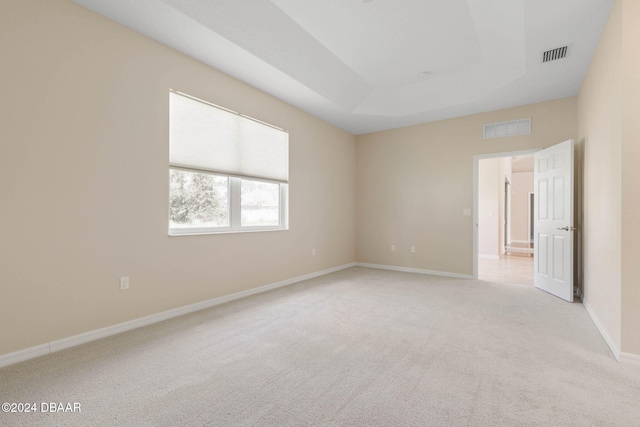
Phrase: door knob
{"type": "Point", "coordinates": [567, 228]}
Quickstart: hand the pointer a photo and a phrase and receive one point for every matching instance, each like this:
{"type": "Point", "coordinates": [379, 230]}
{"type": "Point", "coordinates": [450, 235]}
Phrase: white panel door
{"type": "Point", "coordinates": [553, 220]}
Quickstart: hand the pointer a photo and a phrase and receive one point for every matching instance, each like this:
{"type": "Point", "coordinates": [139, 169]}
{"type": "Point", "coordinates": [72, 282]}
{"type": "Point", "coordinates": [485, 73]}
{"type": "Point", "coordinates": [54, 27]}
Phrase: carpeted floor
{"type": "Point", "coordinates": [359, 347]}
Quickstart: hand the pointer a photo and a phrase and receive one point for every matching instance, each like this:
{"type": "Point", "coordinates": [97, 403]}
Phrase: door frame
{"type": "Point", "coordinates": [507, 215]}
{"type": "Point", "coordinates": [476, 163]}
{"type": "Point", "coordinates": [530, 205]}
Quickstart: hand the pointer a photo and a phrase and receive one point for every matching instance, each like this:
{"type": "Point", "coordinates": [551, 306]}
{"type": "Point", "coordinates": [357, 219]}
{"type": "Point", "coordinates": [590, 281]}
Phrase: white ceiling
{"type": "Point", "coordinates": [360, 64]}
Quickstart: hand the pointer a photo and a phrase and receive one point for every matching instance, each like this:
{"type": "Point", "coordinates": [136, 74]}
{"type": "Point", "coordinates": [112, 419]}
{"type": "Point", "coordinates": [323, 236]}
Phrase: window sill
{"type": "Point", "coordinates": [203, 232]}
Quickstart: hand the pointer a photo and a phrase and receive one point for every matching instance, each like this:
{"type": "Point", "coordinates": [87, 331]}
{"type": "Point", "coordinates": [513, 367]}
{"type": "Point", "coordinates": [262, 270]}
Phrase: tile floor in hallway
{"type": "Point", "coordinates": [517, 270]}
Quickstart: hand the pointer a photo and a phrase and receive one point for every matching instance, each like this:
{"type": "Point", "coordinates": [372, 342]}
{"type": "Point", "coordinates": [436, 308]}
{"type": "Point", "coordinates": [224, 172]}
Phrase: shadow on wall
{"type": "Point", "coordinates": [578, 267]}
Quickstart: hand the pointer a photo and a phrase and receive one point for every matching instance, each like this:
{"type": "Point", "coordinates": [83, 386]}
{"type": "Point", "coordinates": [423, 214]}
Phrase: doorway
{"type": "Point", "coordinates": [503, 185]}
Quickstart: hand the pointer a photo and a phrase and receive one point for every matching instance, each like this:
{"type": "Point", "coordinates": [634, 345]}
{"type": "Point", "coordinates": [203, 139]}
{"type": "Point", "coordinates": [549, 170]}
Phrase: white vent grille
{"type": "Point", "coordinates": [510, 128]}
{"type": "Point", "coordinates": [553, 54]}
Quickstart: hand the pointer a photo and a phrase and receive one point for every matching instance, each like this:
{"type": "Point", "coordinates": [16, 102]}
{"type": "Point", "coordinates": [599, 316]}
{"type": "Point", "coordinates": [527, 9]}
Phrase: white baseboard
{"type": "Point", "coordinates": [486, 256]}
{"type": "Point", "coordinates": [631, 358]}
{"type": "Point", "coordinates": [26, 354]}
{"type": "Point", "coordinates": [634, 359]}
{"type": "Point", "coordinates": [603, 332]}
{"type": "Point", "coordinates": [526, 242]}
{"type": "Point", "coordinates": [414, 270]}
{"type": "Point", "coordinates": [53, 346]}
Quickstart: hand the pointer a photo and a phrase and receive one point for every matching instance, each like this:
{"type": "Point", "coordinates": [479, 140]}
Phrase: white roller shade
{"type": "Point", "coordinates": [206, 137]}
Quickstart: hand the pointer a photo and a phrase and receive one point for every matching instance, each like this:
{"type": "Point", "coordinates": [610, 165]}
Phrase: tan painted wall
{"type": "Point", "coordinates": [414, 182]}
{"type": "Point", "coordinates": [631, 177]}
{"type": "Point", "coordinates": [599, 129]}
{"type": "Point", "coordinates": [84, 180]}
{"type": "Point", "coordinates": [522, 164]}
{"type": "Point", "coordinates": [488, 207]}
{"type": "Point", "coordinates": [521, 186]}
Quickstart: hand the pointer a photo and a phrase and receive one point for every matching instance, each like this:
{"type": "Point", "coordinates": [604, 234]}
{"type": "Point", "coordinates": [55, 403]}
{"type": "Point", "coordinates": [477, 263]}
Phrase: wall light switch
{"type": "Point", "coordinates": [466, 212]}
{"type": "Point", "coordinates": [393, 248]}
{"type": "Point", "coordinates": [413, 249]}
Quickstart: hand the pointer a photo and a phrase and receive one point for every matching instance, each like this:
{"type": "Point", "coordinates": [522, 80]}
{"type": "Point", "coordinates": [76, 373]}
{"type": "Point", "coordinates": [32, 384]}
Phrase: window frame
{"type": "Point", "coordinates": [234, 206]}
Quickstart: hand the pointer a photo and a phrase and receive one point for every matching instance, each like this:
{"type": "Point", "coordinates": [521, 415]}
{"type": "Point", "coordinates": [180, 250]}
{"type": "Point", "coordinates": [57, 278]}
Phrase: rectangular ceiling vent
{"type": "Point", "coordinates": [510, 128]}
{"type": "Point", "coordinates": [553, 54]}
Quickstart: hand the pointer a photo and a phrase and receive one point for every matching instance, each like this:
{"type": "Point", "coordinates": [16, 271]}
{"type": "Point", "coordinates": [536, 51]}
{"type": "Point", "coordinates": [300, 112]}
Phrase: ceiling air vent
{"type": "Point", "coordinates": [553, 54]}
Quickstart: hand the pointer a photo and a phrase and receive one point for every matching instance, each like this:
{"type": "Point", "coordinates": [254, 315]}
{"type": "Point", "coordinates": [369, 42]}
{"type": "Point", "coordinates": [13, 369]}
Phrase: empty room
{"type": "Point", "coordinates": [331, 213]}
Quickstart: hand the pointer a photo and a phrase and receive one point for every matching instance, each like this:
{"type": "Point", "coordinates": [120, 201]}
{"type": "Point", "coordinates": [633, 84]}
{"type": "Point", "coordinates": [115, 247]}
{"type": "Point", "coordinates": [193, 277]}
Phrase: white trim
{"type": "Point", "coordinates": [631, 358]}
{"type": "Point", "coordinates": [414, 270]}
{"type": "Point", "coordinates": [53, 346]}
{"type": "Point", "coordinates": [517, 250]}
{"type": "Point", "coordinates": [476, 159]}
{"type": "Point", "coordinates": [22, 355]}
{"type": "Point", "coordinates": [530, 228]}
{"type": "Point", "coordinates": [508, 195]}
{"type": "Point", "coordinates": [526, 242]}
{"type": "Point", "coordinates": [603, 332]}
{"type": "Point", "coordinates": [487, 256]}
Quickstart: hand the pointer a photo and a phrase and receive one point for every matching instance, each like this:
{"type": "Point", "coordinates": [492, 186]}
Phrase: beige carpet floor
{"type": "Point", "coordinates": [359, 347]}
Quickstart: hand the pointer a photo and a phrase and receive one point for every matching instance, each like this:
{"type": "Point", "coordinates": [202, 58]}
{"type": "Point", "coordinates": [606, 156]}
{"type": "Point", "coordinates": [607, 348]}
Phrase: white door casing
{"type": "Point", "coordinates": [553, 223]}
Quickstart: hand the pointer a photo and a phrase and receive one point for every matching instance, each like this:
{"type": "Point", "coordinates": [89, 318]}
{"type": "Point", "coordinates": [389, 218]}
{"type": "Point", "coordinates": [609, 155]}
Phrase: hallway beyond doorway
{"type": "Point", "coordinates": [516, 270]}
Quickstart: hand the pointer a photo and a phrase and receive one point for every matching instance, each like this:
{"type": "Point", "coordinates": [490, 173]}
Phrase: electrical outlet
{"type": "Point", "coordinates": [393, 248]}
{"type": "Point", "coordinates": [413, 249]}
{"type": "Point", "coordinates": [313, 251]}
{"type": "Point", "coordinates": [124, 283]}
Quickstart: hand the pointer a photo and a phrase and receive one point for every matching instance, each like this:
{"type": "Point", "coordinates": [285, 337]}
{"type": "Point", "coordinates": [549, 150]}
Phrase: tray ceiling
{"type": "Point", "coordinates": [369, 65]}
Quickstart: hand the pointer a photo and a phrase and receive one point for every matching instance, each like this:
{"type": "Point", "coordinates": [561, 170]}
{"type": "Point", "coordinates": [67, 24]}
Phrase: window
{"type": "Point", "coordinates": [198, 200]}
{"type": "Point", "coordinates": [227, 173]}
